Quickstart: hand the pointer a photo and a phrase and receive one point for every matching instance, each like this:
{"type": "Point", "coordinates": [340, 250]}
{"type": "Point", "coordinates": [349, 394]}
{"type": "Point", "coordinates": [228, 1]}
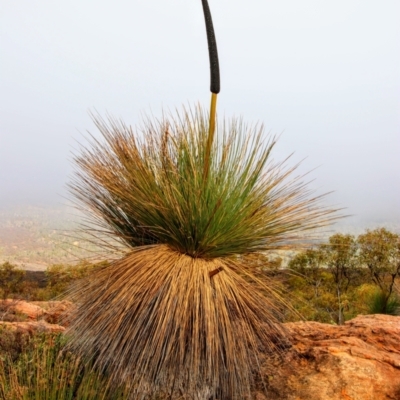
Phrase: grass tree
{"type": "Point", "coordinates": [193, 202]}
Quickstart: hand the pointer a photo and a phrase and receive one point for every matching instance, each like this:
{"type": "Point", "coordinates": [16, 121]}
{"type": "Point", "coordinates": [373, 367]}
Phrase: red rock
{"type": "Point", "coordinates": [56, 312]}
{"type": "Point", "coordinates": [42, 317]}
{"type": "Point", "coordinates": [31, 327]}
{"type": "Point", "coordinates": [357, 361]}
{"type": "Point", "coordinates": [50, 311]}
{"type": "Point", "coordinates": [30, 310]}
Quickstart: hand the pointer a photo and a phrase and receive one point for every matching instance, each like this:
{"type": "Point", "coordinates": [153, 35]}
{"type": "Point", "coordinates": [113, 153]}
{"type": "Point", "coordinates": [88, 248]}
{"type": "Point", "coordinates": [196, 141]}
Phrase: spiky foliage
{"type": "Point", "coordinates": [149, 188]}
{"type": "Point", "coordinates": [380, 302]}
{"type": "Point", "coordinates": [185, 309]}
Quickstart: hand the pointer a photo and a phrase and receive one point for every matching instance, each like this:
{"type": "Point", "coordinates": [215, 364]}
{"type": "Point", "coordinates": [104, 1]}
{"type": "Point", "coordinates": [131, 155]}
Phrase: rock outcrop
{"type": "Point", "coordinates": [32, 327]}
{"type": "Point", "coordinates": [32, 317]}
{"type": "Point", "coordinates": [357, 361]}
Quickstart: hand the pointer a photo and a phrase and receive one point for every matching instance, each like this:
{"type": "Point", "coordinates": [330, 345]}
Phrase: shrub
{"type": "Point", "coordinates": [54, 282]}
{"type": "Point", "coordinates": [11, 280]}
{"type": "Point", "coordinates": [48, 372]}
{"type": "Point", "coordinates": [61, 276]}
{"type": "Point", "coordinates": [13, 342]}
{"type": "Point", "coordinates": [380, 303]}
{"type": "Point", "coordinates": [380, 253]}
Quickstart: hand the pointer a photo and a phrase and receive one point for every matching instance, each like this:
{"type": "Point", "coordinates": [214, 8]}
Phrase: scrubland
{"type": "Point", "coordinates": [331, 282]}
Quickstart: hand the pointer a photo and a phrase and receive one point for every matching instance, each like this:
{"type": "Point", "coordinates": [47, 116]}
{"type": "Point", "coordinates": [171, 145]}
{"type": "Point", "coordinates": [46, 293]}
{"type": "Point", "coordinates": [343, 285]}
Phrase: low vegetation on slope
{"type": "Point", "coordinates": [331, 282]}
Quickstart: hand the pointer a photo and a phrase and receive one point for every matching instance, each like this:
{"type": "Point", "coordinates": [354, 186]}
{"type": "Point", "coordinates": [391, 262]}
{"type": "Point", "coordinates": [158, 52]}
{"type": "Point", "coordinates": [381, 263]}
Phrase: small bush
{"type": "Point", "coordinates": [11, 280]}
{"type": "Point", "coordinates": [53, 283]}
{"type": "Point", "coordinates": [380, 302]}
{"type": "Point", "coordinates": [61, 276]}
{"type": "Point", "coordinates": [48, 372]}
{"type": "Point", "coordinates": [13, 342]}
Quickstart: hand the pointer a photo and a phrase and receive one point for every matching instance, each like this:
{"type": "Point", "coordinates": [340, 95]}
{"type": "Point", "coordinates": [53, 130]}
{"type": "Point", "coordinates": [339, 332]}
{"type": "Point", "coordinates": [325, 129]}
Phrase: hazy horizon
{"type": "Point", "coordinates": [323, 75]}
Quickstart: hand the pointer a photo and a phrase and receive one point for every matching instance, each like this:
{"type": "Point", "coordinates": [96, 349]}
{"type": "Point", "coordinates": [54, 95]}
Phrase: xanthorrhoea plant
{"type": "Point", "coordinates": [185, 309]}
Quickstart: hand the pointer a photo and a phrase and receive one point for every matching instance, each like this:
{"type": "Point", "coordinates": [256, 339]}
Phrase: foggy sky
{"type": "Point", "coordinates": [325, 74]}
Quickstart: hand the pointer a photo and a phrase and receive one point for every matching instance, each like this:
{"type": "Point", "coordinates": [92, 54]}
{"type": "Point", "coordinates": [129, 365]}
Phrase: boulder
{"type": "Point", "coordinates": [55, 312]}
{"type": "Point", "coordinates": [24, 308]}
{"type": "Point", "coordinates": [359, 360]}
{"type": "Point", "coordinates": [32, 327]}
{"type": "Point", "coordinates": [50, 311]}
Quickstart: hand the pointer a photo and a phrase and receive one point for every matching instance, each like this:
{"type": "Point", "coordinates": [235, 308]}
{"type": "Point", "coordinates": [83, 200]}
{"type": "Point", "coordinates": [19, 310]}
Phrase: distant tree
{"type": "Point", "coordinates": [311, 286]}
{"type": "Point", "coordinates": [380, 252]}
{"type": "Point", "coordinates": [11, 279]}
{"type": "Point", "coordinates": [340, 257]}
{"type": "Point", "coordinates": [61, 276]}
{"type": "Point", "coordinates": [308, 264]}
{"type": "Point", "coordinates": [270, 265]}
{"type": "Point", "coordinates": [329, 269]}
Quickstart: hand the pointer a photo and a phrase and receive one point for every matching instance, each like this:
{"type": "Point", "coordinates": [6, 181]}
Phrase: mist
{"type": "Point", "coordinates": [322, 75]}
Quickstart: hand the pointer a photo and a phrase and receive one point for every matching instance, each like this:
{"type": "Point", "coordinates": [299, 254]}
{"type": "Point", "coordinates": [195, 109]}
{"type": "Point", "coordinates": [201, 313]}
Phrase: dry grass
{"type": "Point", "coordinates": [164, 321]}
{"type": "Point", "coordinates": [47, 372]}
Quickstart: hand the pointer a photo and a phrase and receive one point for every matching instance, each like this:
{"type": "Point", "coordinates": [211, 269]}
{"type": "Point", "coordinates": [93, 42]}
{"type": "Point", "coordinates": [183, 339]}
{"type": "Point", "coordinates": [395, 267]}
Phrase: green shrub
{"type": "Point", "coordinates": [16, 283]}
{"type": "Point", "coordinates": [11, 280]}
{"type": "Point", "coordinates": [61, 276]}
{"type": "Point", "coordinates": [48, 372]}
{"type": "Point", "coordinates": [379, 302]}
{"type": "Point", "coordinates": [314, 294]}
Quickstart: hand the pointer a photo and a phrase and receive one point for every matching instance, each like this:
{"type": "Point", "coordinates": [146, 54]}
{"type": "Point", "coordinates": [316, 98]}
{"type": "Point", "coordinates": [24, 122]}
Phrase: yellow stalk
{"type": "Point", "coordinates": [211, 131]}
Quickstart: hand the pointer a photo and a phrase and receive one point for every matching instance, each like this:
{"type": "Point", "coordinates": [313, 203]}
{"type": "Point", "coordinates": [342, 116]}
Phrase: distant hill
{"type": "Point", "coordinates": [36, 237]}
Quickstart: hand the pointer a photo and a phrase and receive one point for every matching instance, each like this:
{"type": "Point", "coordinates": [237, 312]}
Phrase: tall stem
{"type": "Point", "coordinates": [211, 130]}
{"type": "Point", "coordinates": [214, 82]}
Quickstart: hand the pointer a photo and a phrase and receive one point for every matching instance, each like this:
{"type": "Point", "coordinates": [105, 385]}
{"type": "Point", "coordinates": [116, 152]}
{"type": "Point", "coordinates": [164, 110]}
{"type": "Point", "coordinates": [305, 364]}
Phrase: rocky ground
{"type": "Point", "coordinates": [357, 361]}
